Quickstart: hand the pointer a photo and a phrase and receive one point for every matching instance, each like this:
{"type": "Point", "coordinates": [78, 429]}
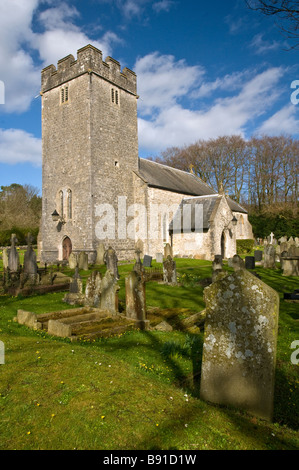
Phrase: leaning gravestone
{"type": "Point", "coordinates": [239, 354]}
{"type": "Point", "coordinates": [135, 300]}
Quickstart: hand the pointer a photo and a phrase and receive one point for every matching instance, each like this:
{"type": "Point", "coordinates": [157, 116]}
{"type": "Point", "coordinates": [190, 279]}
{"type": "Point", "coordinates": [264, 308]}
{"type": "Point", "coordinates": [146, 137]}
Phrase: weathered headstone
{"type": "Point", "coordinates": [237, 263]}
{"type": "Point", "coordinates": [75, 295]}
{"type": "Point", "coordinates": [168, 250]}
{"type": "Point", "coordinates": [73, 260]}
{"type": "Point", "coordinates": [100, 254]}
{"type": "Point", "coordinates": [293, 250]}
{"type": "Point", "coordinates": [13, 257]}
{"type": "Point", "coordinates": [269, 257]}
{"type": "Point", "coordinates": [239, 354]}
{"type": "Point", "coordinates": [159, 257]}
{"type": "Point", "coordinates": [290, 265]}
{"type": "Point", "coordinates": [83, 261]}
{"type": "Point", "coordinates": [111, 260]}
{"type": "Point", "coordinates": [169, 271]}
{"type": "Point", "coordinates": [217, 267]}
{"type": "Point", "coordinates": [93, 290]}
{"type": "Point", "coordinates": [138, 267]}
{"type": "Point", "coordinates": [30, 264]}
{"type": "Point", "coordinates": [135, 300]}
{"type": "Point", "coordinates": [5, 256]}
{"type": "Point", "coordinates": [147, 261]}
{"type": "Point", "coordinates": [109, 293]}
{"type": "Point", "coordinates": [258, 255]}
{"type": "Point", "coordinates": [249, 262]}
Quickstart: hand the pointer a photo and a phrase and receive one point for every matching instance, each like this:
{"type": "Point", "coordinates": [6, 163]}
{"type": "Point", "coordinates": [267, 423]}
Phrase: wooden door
{"type": "Point", "coordinates": [66, 248]}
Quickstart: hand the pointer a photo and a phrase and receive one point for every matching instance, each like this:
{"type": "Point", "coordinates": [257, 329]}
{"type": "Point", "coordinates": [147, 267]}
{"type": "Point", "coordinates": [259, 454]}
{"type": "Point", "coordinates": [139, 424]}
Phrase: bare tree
{"type": "Point", "coordinates": [287, 12]}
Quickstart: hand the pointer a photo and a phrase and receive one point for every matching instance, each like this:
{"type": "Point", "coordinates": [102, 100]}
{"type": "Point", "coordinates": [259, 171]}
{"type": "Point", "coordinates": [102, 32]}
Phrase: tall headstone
{"type": "Point", "coordinates": [249, 262]}
{"type": "Point", "coordinates": [83, 261]}
{"type": "Point", "coordinates": [111, 260]}
{"type": "Point", "coordinates": [5, 256]}
{"type": "Point", "coordinates": [258, 255]}
{"type": "Point", "coordinates": [168, 250]}
{"type": "Point", "coordinates": [73, 260]}
{"type": "Point", "coordinates": [13, 258]}
{"type": "Point", "coordinates": [269, 257]}
{"type": "Point", "coordinates": [138, 267]}
{"type": "Point", "coordinates": [109, 293]}
{"type": "Point", "coordinates": [30, 264]}
{"type": "Point", "coordinates": [135, 300]}
{"type": "Point", "coordinates": [100, 254]}
{"type": "Point", "coordinates": [93, 290]}
{"type": "Point", "coordinates": [239, 354]}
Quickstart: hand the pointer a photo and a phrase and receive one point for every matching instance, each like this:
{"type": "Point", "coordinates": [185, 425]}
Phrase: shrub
{"type": "Point", "coordinates": [244, 246]}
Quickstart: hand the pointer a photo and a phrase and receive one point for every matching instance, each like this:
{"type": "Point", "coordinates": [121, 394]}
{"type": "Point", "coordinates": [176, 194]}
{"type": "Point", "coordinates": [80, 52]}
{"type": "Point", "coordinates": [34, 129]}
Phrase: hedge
{"type": "Point", "coordinates": [21, 233]}
{"type": "Point", "coordinates": [244, 246]}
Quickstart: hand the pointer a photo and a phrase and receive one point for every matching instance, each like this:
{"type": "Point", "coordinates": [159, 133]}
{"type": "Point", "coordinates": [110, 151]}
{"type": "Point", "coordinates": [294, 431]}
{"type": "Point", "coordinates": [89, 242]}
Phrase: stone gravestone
{"type": "Point", "coordinates": [135, 300]}
{"type": "Point", "coordinates": [237, 263]}
{"type": "Point", "coordinates": [147, 261]}
{"type": "Point", "coordinates": [249, 262]}
{"type": "Point", "coordinates": [111, 260]}
{"type": "Point", "coordinates": [30, 264]}
{"type": "Point", "coordinates": [293, 250]}
{"type": "Point", "coordinates": [13, 258]}
{"type": "Point", "coordinates": [159, 257]}
{"type": "Point", "coordinates": [168, 251]}
{"type": "Point", "coordinates": [75, 295]}
{"type": "Point", "coordinates": [169, 271]}
{"type": "Point", "coordinates": [239, 354]}
{"type": "Point", "coordinates": [290, 265]}
{"type": "Point", "coordinates": [73, 261]}
{"type": "Point", "coordinates": [138, 267]}
{"type": "Point", "coordinates": [83, 261]}
{"type": "Point", "coordinates": [93, 290]}
{"type": "Point", "coordinates": [5, 256]}
{"type": "Point", "coordinates": [100, 254]}
{"type": "Point", "coordinates": [269, 257]}
{"type": "Point", "coordinates": [258, 255]}
{"type": "Point", "coordinates": [217, 267]}
{"type": "Point", "coordinates": [109, 293]}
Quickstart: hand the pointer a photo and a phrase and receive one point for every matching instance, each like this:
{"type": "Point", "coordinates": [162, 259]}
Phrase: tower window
{"type": "Point", "coordinates": [114, 96]}
{"type": "Point", "coordinates": [69, 204]}
{"type": "Point", "coordinates": [64, 94]}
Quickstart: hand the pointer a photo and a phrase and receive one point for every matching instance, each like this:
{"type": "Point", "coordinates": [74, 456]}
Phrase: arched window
{"type": "Point", "coordinates": [69, 204]}
{"type": "Point", "coordinates": [61, 205]}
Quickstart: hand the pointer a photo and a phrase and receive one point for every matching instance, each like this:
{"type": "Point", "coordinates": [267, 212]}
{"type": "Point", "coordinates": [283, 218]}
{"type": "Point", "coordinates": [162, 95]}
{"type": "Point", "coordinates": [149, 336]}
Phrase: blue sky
{"type": "Point", "coordinates": [204, 69]}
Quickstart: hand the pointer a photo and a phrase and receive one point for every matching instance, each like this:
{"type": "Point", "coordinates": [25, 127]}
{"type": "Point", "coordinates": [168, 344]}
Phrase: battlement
{"type": "Point", "coordinates": [89, 60]}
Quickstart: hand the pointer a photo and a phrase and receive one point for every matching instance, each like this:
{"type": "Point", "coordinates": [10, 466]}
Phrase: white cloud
{"type": "Point", "coordinates": [163, 5]}
{"type": "Point", "coordinates": [261, 46]}
{"type": "Point", "coordinates": [175, 125]}
{"type": "Point", "coordinates": [284, 121]}
{"type": "Point", "coordinates": [162, 81]}
{"type": "Point", "coordinates": [18, 146]}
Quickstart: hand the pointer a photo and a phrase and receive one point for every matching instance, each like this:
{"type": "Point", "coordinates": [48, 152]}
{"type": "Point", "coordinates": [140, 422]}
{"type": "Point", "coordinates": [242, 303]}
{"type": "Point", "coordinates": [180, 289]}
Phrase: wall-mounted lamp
{"type": "Point", "coordinates": [234, 221]}
{"type": "Point", "coordinates": [57, 218]}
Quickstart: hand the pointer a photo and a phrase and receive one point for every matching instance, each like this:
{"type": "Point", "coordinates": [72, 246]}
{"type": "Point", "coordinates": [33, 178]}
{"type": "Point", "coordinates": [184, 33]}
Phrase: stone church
{"type": "Point", "coordinates": [96, 189]}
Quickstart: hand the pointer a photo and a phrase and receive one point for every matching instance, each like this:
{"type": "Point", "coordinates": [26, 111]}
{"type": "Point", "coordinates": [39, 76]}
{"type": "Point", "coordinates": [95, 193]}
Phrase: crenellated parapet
{"type": "Point", "coordinates": [89, 60]}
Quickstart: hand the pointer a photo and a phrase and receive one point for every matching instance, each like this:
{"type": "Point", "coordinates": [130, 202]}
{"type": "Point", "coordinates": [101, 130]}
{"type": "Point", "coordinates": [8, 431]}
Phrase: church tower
{"type": "Point", "coordinates": [90, 153]}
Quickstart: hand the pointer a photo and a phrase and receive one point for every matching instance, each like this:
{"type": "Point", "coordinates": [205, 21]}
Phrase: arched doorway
{"type": "Point", "coordinates": [66, 248]}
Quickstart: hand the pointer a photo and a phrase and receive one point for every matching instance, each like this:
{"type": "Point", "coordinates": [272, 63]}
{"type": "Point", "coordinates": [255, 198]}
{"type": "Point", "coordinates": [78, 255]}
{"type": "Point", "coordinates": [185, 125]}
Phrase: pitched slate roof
{"type": "Point", "coordinates": [165, 177]}
{"type": "Point", "coordinates": [161, 176]}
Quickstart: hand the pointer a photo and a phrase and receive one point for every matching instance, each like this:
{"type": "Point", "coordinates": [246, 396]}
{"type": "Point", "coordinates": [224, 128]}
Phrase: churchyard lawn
{"type": "Point", "coordinates": [138, 390]}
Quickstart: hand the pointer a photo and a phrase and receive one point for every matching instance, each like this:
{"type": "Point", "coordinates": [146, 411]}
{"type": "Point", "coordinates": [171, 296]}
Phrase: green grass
{"type": "Point", "coordinates": [138, 390]}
